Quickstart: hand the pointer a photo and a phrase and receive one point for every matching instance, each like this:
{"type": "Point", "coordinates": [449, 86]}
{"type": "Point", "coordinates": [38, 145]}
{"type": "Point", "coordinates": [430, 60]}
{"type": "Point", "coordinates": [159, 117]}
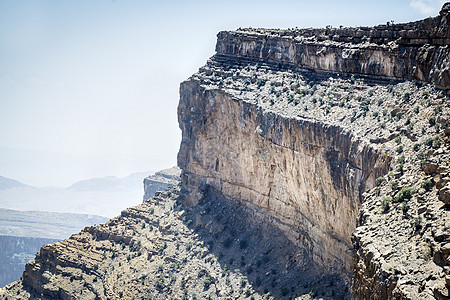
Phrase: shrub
{"type": "Point", "coordinates": [385, 204]}
{"type": "Point", "coordinates": [399, 149]}
{"type": "Point", "coordinates": [406, 96]}
{"type": "Point", "coordinates": [394, 184]}
{"type": "Point", "coordinates": [261, 82]}
{"type": "Point", "coordinates": [243, 281]}
{"type": "Point", "coordinates": [436, 142]}
{"type": "Point", "coordinates": [188, 246]}
{"type": "Point", "coordinates": [404, 194]}
{"type": "Point", "coordinates": [379, 180]}
{"type": "Point", "coordinates": [408, 121]}
{"type": "Point", "coordinates": [427, 184]}
{"type": "Point", "coordinates": [422, 157]}
{"type": "Point", "coordinates": [405, 208]}
{"type": "Point", "coordinates": [401, 159]}
{"type": "Point", "coordinates": [416, 223]}
{"type": "Point", "coordinates": [432, 121]}
{"type": "Point", "coordinates": [207, 282]}
{"type": "Point", "coordinates": [416, 147]}
{"type": "Point", "coordinates": [291, 97]}
{"type": "Point", "coordinates": [400, 168]}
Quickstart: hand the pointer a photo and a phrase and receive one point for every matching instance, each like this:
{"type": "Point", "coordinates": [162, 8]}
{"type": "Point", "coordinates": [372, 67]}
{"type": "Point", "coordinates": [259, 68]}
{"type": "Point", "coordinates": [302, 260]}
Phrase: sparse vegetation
{"type": "Point", "coordinates": [404, 194]}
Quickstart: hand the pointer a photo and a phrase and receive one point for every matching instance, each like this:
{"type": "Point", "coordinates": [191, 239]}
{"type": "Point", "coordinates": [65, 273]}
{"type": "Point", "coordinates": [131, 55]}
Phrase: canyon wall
{"type": "Point", "coordinates": [253, 129]}
{"type": "Point", "coordinates": [308, 174]}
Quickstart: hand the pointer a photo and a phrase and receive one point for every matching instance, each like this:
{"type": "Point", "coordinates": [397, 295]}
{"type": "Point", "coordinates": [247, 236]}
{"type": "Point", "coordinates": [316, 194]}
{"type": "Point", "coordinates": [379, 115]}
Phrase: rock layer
{"type": "Point", "coordinates": [418, 50]}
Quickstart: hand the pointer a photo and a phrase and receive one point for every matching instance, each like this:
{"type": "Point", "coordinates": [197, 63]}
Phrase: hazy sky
{"type": "Point", "coordinates": [90, 88]}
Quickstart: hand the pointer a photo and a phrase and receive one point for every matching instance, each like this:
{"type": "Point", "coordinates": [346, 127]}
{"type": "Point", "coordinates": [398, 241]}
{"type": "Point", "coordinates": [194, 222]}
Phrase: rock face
{"type": "Point", "coordinates": [255, 128]}
{"type": "Point", "coordinates": [308, 174]}
{"type": "Point", "coordinates": [418, 50]}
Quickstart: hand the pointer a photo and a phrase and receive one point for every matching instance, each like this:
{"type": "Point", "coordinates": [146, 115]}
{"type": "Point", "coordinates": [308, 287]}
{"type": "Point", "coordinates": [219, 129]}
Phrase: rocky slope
{"type": "Point", "coordinates": [159, 250]}
{"type": "Point", "coordinates": [311, 168]}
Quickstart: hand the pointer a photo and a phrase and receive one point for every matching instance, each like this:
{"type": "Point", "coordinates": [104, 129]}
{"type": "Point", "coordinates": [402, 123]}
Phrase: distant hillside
{"type": "Point", "coordinates": [132, 181]}
{"type": "Point", "coordinates": [8, 183]}
{"type": "Point", "coordinates": [42, 224]}
{"type": "Point", "coordinates": [105, 196]}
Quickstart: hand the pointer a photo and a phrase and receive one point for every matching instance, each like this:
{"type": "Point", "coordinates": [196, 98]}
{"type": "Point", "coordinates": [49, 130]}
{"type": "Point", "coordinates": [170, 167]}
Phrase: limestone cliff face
{"type": "Point", "coordinates": [277, 121]}
{"type": "Point", "coordinates": [308, 174]}
{"type": "Point", "coordinates": [418, 50]}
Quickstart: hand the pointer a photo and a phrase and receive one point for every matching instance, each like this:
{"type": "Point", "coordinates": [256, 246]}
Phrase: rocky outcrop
{"type": "Point", "coordinates": [160, 181]}
{"type": "Point", "coordinates": [418, 50]}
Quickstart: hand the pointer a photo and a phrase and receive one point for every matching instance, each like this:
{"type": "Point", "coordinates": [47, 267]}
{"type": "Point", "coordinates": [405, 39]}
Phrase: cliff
{"type": "Point", "coordinates": [160, 181]}
{"type": "Point", "coordinates": [414, 51]}
{"type": "Point", "coordinates": [299, 124]}
{"type": "Point", "coordinates": [313, 166]}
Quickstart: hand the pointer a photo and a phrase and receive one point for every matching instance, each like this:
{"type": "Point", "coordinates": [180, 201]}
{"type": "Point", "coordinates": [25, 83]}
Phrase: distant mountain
{"type": "Point", "coordinates": [15, 252]}
{"type": "Point", "coordinates": [132, 181]}
{"type": "Point", "coordinates": [8, 183]}
{"type": "Point", "coordinates": [106, 196]}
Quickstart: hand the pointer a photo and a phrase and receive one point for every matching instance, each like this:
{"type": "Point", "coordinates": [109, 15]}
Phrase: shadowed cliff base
{"type": "Point", "coordinates": [247, 239]}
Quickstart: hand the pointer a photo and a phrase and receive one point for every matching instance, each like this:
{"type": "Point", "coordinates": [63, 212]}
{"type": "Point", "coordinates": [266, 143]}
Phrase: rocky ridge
{"type": "Point", "coordinates": [415, 51]}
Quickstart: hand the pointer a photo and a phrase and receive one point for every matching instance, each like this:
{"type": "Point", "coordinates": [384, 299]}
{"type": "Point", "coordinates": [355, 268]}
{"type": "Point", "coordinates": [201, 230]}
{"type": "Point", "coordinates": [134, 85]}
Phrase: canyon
{"type": "Point", "coordinates": [314, 164]}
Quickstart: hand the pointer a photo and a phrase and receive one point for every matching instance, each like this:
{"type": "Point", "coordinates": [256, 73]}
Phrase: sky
{"type": "Point", "coordinates": [89, 88]}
